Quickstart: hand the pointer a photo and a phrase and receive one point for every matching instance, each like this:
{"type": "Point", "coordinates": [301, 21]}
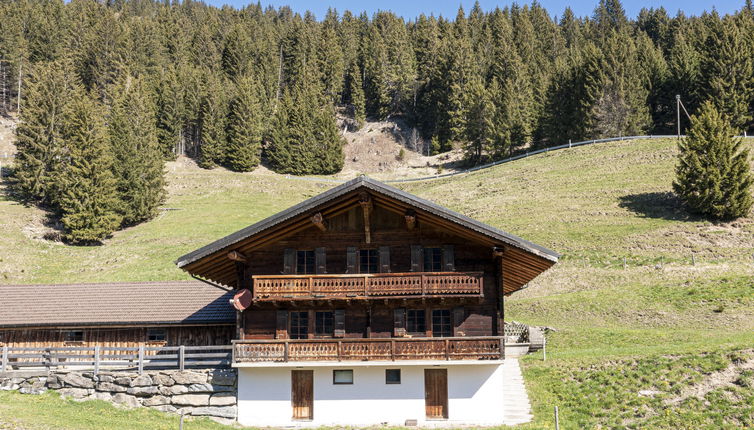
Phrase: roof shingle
{"type": "Point", "coordinates": [179, 302]}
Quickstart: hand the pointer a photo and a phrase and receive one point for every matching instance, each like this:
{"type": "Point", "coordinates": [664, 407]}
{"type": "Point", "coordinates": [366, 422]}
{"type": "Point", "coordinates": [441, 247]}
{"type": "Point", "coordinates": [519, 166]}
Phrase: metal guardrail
{"type": "Point", "coordinates": [106, 357]}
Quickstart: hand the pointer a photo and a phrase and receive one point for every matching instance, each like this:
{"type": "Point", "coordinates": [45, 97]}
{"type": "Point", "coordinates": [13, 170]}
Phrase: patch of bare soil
{"type": "Point", "coordinates": [7, 136]}
{"type": "Point", "coordinates": [715, 380]}
{"type": "Point", "coordinates": [391, 147]}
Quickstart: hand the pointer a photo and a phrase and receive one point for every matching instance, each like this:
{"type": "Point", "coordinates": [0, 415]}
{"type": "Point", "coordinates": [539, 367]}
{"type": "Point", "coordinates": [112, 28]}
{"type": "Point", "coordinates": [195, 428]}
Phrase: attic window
{"type": "Point", "coordinates": [369, 261]}
{"type": "Point", "coordinates": [432, 259]}
{"type": "Point", "coordinates": [305, 262]}
{"type": "Point", "coordinates": [74, 336]}
{"type": "Point", "coordinates": [157, 334]}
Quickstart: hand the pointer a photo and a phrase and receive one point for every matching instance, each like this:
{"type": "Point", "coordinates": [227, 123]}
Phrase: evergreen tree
{"type": "Point", "coordinates": [40, 146]}
{"type": "Point", "coordinates": [138, 166]}
{"type": "Point", "coordinates": [169, 113]}
{"type": "Point", "coordinates": [213, 121]}
{"type": "Point", "coordinates": [245, 126]}
{"type": "Point", "coordinates": [728, 72]}
{"type": "Point", "coordinates": [713, 176]}
{"type": "Point", "coordinates": [480, 124]}
{"type": "Point", "coordinates": [356, 92]}
{"type": "Point", "coordinates": [88, 199]}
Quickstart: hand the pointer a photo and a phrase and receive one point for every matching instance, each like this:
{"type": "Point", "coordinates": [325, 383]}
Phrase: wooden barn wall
{"type": "Point", "coordinates": [117, 337]}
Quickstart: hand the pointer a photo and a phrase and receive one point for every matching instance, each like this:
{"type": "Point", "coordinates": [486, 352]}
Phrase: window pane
{"type": "Point", "coordinates": [441, 323]}
{"type": "Point", "coordinates": [415, 321]}
{"type": "Point", "coordinates": [368, 261]}
{"type": "Point", "coordinates": [156, 334]}
{"type": "Point", "coordinates": [74, 336]}
{"type": "Point", "coordinates": [305, 262]}
{"type": "Point", "coordinates": [432, 259]}
{"type": "Point", "coordinates": [342, 376]}
{"type": "Point", "coordinates": [323, 323]}
{"type": "Point", "coordinates": [392, 376]}
{"type": "Point", "coordinates": [299, 325]}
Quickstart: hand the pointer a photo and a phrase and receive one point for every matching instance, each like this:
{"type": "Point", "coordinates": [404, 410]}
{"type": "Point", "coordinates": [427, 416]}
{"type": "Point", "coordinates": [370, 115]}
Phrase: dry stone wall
{"type": "Point", "coordinates": [211, 393]}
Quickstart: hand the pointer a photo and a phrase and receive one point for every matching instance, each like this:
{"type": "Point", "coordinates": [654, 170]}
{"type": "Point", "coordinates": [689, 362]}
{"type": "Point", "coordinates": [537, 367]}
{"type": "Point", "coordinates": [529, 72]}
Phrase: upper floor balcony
{"type": "Point", "coordinates": [368, 286]}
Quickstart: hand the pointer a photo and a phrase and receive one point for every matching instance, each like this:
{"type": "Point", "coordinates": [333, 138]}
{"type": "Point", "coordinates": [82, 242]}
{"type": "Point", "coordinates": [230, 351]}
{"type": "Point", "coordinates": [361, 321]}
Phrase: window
{"type": "Point", "coordinates": [368, 261]}
{"type": "Point", "coordinates": [74, 336]}
{"type": "Point", "coordinates": [392, 376]}
{"type": "Point", "coordinates": [342, 377]}
{"type": "Point", "coordinates": [416, 321]}
{"type": "Point", "coordinates": [305, 264]}
{"type": "Point", "coordinates": [156, 334]}
{"type": "Point", "coordinates": [299, 325]}
{"type": "Point", "coordinates": [432, 259]}
{"type": "Point", "coordinates": [323, 323]}
{"type": "Point", "coordinates": [441, 325]}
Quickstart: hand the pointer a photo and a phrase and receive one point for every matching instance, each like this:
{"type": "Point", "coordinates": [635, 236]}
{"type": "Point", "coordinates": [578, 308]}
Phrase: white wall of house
{"type": "Point", "coordinates": [474, 396]}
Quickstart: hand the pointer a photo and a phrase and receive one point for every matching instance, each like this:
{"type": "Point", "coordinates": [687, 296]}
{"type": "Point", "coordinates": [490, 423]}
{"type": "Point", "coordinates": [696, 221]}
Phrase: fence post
{"type": "Point", "coordinates": [557, 419]}
{"type": "Point", "coordinates": [693, 260]}
{"type": "Point", "coordinates": [4, 364]}
{"type": "Point", "coordinates": [544, 348]}
{"type": "Point", "coordinates": [624, 263]}
{"type": "Point", "coordinates": [96, 359]}
{"type": "Point", "coordinates": [141, 359]}
{"type": "Point", "coordinates": [181, 358]}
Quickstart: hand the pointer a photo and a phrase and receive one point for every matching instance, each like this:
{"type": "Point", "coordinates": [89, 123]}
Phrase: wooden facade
{"type": "Point", "coordinates": [116, 337]}
{"type": "Point", "coordinates": [367, 272]}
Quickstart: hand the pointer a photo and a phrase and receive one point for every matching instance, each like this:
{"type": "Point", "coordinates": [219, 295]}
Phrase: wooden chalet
{"type": "Point", "coordinates": [116, 315]}
{"type": "Point", "coordinates": [361, 280]}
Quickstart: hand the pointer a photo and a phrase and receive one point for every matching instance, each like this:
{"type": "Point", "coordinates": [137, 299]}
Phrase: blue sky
{"type": "Point", "coordinates": [412, 8]}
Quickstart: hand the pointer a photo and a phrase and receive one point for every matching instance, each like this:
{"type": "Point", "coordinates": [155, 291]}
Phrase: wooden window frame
{"type": "Point", "coordinates": [68, 332]}
{"type": "Point", "coordinates": [439, 333]}
{"type": "Point", "coordinates": [162, 338]}
{"type": "Point", "coordinates": [309, 264]}
{"type": "Point", "coordinates": [322, 313]}
{"type": "Point", "coordinates": [422, 332]}
{"type": "Point", "coordinates": [297, 333]}
{"type": "Point", "coordinates": [436, 252]}
{"type": "Point", "coordinates": [387, 379]}
{"type": "Point", "coordinates": [346, 371]}
{"type": "Point", "coordinates": [373, 254]}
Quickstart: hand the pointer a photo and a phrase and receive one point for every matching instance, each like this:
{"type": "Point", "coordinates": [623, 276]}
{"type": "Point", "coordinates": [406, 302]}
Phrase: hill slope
{"type": "Point", "coordinates": [645, 297]}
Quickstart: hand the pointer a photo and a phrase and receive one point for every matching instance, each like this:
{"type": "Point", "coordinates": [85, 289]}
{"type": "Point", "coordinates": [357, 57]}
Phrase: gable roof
{"type": "Point", "coordinates": [181, 302]}
{"type": "Point", "coordinates": [201, 257]}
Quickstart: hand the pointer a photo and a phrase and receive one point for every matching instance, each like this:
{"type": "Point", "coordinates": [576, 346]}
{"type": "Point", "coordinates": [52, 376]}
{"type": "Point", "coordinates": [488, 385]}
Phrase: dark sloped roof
{"type": "Point", "coordinates": [379, 187]}
{"type": "Point", "coordinates": [181, 302]}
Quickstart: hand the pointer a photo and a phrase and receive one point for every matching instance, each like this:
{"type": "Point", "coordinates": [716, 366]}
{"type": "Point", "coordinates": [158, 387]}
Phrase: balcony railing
{"type": "Point", "coordinates": [372, 285]}
{"type": "Point", "coordinates": [450, 348]}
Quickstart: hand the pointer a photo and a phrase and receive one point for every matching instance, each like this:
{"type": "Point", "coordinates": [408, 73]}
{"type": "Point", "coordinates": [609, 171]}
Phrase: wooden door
{"type": "Point", "coordinates": [302, 394]}
{"type": "Point", "coordinates": [436, 393]}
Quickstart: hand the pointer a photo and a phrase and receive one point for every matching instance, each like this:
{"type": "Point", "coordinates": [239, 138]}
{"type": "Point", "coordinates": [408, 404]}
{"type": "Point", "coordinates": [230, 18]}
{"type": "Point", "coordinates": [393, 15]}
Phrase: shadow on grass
{"type": "Point", "coordinates": [657, 205]}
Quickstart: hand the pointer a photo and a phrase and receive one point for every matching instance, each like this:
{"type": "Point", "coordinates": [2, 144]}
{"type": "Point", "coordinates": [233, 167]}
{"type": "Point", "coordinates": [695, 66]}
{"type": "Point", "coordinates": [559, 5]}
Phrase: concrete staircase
{"type": "Point", "coordinates": [515, 400]}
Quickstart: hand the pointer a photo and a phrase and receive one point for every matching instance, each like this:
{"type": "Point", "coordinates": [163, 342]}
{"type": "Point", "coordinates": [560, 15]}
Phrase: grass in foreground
{"type": "Point", "coordinates": [50, 411]}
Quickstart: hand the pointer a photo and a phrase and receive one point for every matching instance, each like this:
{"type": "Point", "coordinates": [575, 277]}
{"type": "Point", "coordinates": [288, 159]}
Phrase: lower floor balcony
{"type": "Point", "coordinates": [387, 349]}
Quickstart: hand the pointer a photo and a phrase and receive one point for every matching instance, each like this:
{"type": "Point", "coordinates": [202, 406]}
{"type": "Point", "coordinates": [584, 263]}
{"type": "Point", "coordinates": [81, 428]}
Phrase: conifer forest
{"type": "Point", "coordinates": [109, 90]}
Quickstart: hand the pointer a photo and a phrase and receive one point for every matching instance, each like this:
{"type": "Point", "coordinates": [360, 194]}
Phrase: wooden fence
{"type": "Point", "coordinates": [99, 358]}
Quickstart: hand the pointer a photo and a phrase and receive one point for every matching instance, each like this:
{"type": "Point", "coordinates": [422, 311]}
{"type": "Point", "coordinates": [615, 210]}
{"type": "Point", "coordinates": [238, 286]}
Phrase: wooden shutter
{"type": "Point", "coordinates": [320, 260]}
{"type": "Point", "coordinates": [340, 323]}
{"type": "Point", "coordinates": [417, 258]}
{"type": "Point", "coordinates": [351, 259]}
{"type": "Point", "coordinates": [384, 259]}
{"type": "Point", "coordinates": [289, 261]}
{"type": "Point", "coordinates": [448, 259]}
{"type": "Point", "coordinates": [281, 325]}
{"type": "Point", "coordinates": [399, 322]}
{"type": "Point", "coordinates": [459, 315]}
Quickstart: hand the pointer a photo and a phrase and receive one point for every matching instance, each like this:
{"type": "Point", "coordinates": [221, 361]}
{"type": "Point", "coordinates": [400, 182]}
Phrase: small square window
{"type": "Point", "coordinates": [74, 336]}
{"type": "Point", "coordinates": [156, 334]}
{"type": "Point", "coordinates": [342, 377]}
{"type": "Point", "coordinates": [392, 376]}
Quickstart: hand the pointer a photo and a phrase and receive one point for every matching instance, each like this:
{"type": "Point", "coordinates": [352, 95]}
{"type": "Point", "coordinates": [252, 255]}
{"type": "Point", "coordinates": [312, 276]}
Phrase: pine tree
{"type": "Point", "coordinates": [713, 176]}
{"type": "Point", "coordinates": [138, 166]}
{"type": "Point", "coordinates": [728, 72]}
{"type": "Point", "coordinates": [356, 92]}
{"type": "Point", "coordinates": [213, 121]}
{"type": "Point", "coordinates": [480, 124]}
{"type": "Point", "coordinates": [88, 199]}
{"type": "Point", "coordinates": [170, 111]}
{"type": "Point", "coordinates": [245, 126]}
{"type": "Point", "coordinates": [40, 145]}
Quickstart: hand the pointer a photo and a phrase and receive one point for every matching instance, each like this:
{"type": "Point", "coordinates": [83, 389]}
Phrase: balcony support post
{"type": "Point", "coordinates": [447, 349]}
{"type": "Point", "coordinates": [285, 351]}
{"type": "Point", "coordinates": [392, 350]}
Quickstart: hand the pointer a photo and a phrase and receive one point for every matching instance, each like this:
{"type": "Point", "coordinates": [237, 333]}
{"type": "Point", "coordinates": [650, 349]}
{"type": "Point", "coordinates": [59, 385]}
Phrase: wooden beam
{"type": "Point", "coordinates": [497, 251]}
{"type": "Point", "coordinates": [366, 205]}
{"type": "Point", "coordinates": [410, 217]}
{"type": "Point", "coordinates": [319, 221]}
{"type": "Point", "coordinates": [237, 256]}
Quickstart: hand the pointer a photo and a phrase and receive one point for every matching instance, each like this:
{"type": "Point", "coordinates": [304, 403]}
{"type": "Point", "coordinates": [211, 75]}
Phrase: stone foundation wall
{"type": "Point", "coordinates": [210, 393]}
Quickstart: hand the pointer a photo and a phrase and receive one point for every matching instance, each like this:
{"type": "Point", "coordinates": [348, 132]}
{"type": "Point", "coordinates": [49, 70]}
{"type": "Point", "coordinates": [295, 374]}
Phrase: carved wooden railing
{"type": "Point", "coordinates": [390, 349]}
{"type": "Point", "coordinates": [372, 285]}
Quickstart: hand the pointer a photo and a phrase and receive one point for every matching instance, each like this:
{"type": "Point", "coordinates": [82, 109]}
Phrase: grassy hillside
{"type": "Point", "coordinates": [645, 297]}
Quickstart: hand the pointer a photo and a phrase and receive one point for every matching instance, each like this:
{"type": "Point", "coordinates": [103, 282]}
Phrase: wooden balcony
{"type": "Point", "coordinates": [390, 349]}
{"type": "Point", "coordinates": [367, 286]}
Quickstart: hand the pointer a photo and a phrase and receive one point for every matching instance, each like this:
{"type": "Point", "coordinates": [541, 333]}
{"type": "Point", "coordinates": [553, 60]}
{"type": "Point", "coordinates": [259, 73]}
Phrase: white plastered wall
{"type": "Point", "coordinates": [474, 396]}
